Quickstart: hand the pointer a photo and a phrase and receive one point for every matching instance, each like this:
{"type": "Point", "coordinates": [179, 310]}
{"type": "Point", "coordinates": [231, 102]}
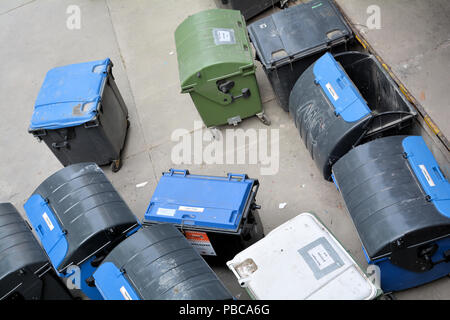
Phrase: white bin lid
{"type": "Point", "coordinates": [301, 260]}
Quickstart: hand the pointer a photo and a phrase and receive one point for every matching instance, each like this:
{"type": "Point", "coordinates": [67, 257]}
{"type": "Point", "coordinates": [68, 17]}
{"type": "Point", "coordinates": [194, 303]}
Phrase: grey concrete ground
{"type": "Point", "coordinates": [414, 40]}
{"type": "Point", "coordinates": [138, 36]}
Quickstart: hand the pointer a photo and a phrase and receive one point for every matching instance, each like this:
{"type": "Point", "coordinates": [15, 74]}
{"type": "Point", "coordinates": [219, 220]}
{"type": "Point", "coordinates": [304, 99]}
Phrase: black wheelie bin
{"type": "Point", "coordinates": [289, 41]}
{"type": "Point", "coordinates": [81, 115]}
{"type": "Point", "coordinates": [157, 263]}
{"type": "Point", "coordinates": [343, 101]}
{"type": "Point", "coordinates": [217, 215]}
{"type": "Point", "coordinates": [250, 8]}
{"type": "Point", "coordinates": [399, 201]}
{"type": "Point", "coordinates": [25, 272]}
{"type": "Point", "coordinates": [79, 217]}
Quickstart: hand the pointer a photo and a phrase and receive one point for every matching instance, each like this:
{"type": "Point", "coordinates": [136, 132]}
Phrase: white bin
{"type": "Point", "coordinates": [301, 260]}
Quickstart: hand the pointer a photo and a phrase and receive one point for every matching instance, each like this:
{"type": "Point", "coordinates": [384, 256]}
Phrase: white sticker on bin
{"type": "Point", "coordinates": [321, 257]}
{"type": "Point", "coordinates": [166, 212]}
{"type": "Point", "coordinates": [332, 92]}
{"type": "Point", "coordinates": [427, 175]}
{"type": "Point", "coordinates": [125, 293]}
{"type": "Point", "coordinates": [48, 221]}
{"type": "Point", "coordinates": [190, 209]}
{"type": "Point", "coordinates": [224, 36]}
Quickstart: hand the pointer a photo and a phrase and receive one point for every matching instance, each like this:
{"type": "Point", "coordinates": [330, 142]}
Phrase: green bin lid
{"type": "Point", "coordinates": [212, 45]}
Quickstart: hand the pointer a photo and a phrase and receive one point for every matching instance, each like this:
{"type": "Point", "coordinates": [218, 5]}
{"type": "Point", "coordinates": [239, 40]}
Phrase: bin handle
{"type": "Point", "coordinates": [233, 175]}
{"type": "Point", "coordinates": [91, 124]}
{"type": "Point", "coordinates": [60, 145]}
{"type": "Point", "coordinates": [242, 281]}
{"type": "Point", "coordinates": [180, 172]}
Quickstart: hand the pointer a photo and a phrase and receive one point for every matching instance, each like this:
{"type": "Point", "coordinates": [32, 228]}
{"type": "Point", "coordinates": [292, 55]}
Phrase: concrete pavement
{"type": "Point", "coordinates": [138, 36]}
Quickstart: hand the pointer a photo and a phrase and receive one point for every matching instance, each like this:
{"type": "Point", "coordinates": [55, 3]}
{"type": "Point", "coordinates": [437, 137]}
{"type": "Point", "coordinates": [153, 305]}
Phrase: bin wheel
{"type": "Point", "coordinates": [116, 165]}
{"type": "Point", "coordinates": [388, 296]}
{"type": "Point", "coordinates": [264, 119]}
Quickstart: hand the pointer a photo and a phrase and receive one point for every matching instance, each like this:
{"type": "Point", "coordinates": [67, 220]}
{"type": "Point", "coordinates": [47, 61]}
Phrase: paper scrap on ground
{"type": "Point", "coordinates": [282, 205]}
{"type": "Point", "coordinates": [141, 185]}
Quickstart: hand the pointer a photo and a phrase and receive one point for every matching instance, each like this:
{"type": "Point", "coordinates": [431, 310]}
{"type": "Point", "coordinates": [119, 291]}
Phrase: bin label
{"type": "Point", "coordinates": [321, 258]}
{"type": "Point", "coordinates": [166, 212]}
{"type": "Point", "coordinates": [125, 293]}
{"type": "Point", "coordinates": [48, 221]}
{"type": "Point", "coordinates": [200, 242]}
{"type": "Point", "coordinates": [427, 175]}
{"type": "Point", "coordinates": [223, 36]}
{"type": "Point", "coordinates": [332, 91]}
{"type": "Point", "coordinates": [190, 209]}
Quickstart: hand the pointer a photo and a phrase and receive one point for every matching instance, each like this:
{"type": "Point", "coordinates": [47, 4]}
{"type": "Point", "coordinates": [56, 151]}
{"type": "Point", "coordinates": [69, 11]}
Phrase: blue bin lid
{"type": "Point", "coordinates": [340, 90]}
{"type": "Point", "coordinates": [70, 95]}
{"type": "Point", "coordinates": [427, 171]}
{"type": "Point", "coordinates": [201, 201]}
{"type": "Point", "coordinates": [48, 229]}
{"type": "Point", "coordinates": [112, 283]}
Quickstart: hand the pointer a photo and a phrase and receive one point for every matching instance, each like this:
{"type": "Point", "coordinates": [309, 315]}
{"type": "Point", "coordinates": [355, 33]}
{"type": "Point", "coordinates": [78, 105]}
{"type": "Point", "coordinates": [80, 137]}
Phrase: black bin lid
{"type": "Point", "coordinates": [18, 250]}
{"type": "Point", "coordinates": [157, 263]}
{"type": "Point", "coordinates": [76, 212]}
{"type": "Point", "coordinates": [297, 32]}
{"type": "Point", "coordinates": [394, 191]}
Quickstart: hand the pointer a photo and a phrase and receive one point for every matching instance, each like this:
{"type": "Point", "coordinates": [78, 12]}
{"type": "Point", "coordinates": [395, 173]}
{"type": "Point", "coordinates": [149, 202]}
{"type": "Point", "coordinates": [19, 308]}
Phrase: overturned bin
{"type": "Point", "coordinates": [399, 202]}
{"type": "Point", "coordinates": [157, 263]}
{"type": "Point", "coordinates": [343, 101]}
{"type": "Point", "coordinates": [216, 67]}
{"type": "Point", "coordinates": [79, 217]}
{"type": "Point", "coordinates": [301, 260]}
{"type": "Point", "coordinates": [218, 215]}
{"type": "Point", "coordinates": [289, 41]}
{"type": "Point", "coordinates": [80, 114]}
{"type": "Point", "coordinates": [25, 272]}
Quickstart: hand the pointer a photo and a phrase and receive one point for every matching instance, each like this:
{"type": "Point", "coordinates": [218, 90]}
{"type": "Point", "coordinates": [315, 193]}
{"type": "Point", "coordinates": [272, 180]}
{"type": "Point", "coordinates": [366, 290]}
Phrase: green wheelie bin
{"type": "Point", "coordinates": [216, 67]}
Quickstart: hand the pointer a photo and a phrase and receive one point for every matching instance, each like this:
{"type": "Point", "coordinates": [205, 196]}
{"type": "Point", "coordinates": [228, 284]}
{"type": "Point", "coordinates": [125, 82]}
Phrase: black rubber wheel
{"type": "Point", "coordinates": [265, 120]}
{"type": "Point", "coordinates": [388, 296]}
{"type": "Point", "coordinates": [116, 165]}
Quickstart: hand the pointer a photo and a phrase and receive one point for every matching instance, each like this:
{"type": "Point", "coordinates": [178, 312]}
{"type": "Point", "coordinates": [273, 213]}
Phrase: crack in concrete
{"type": "Point", "coordinates": [138, 120]}
{"type": "Point", "coordinates": [416, 59]}
{"type": "Point", "coordinates": [18, 7]}
{"type": "Point", "coordinates": [444, 45]}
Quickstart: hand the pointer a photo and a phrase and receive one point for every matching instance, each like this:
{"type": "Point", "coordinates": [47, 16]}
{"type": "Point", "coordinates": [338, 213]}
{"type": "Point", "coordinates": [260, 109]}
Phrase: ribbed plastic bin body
{"type": "Point", "coordinates": [342, 101]}
{"type": "Point", "coordinates": [25, 272]}
{"type": "Point", "coordinates": [80, 114]}
{"type": "Point", "coordinates": [216, 66]}
{"type": "Point", "coordinates": [79, 217]}
{"type": "Point", "coordinates": [218, 215]}
{"type": "Point", "coordinates": [289, 41]}
{"type": "Point", "coordinates": [399, 201]}
{"type": "Point", "coordinates": [248, 8]}
{"type": "Point", "coordinates": [301, 260]}
{"type": "Point", "coordinates": [157, 263]}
